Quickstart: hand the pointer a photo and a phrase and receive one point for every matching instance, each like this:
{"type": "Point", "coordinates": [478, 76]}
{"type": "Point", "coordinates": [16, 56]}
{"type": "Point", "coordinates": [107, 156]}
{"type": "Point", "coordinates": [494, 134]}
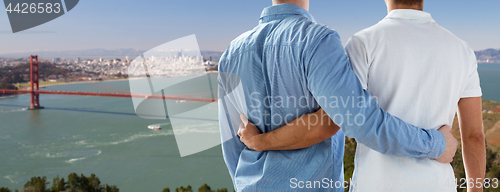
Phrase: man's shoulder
{"type": "Point", "coordinates": [387, 27]}
{"type": "Point", "coordinates": [305, 30]}
{"type": "Point", "coordinates": [293, 30]}
{"type": "Point", "coordinates": [373, 31]}
{"type": "Point", "coordinates": [455, 38]}
{"type": "Point", "coordinates": [310, 26]}
{"type": "Point", "coordinates": [244, 38]}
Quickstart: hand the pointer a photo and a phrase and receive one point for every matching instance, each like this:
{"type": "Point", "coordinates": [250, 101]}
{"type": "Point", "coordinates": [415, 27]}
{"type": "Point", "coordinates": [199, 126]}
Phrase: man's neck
{"type": "Point", "coordinates": [302, 3]}
{"type": "Point", "coordinates": [401, 6]}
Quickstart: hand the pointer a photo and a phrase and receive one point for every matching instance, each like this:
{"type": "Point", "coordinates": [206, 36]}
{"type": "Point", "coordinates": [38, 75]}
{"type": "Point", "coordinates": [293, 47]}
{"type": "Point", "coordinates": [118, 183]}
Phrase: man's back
{"type": "Point", "coordinates": [418, 71]}
{"type": "Point", "coordinates": [269, 60]}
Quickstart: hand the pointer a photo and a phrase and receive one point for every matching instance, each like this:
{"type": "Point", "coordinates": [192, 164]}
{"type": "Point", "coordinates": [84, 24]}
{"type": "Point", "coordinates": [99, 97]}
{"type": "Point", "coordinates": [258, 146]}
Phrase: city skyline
{"type": "Point", "coordinates": [146, 24]}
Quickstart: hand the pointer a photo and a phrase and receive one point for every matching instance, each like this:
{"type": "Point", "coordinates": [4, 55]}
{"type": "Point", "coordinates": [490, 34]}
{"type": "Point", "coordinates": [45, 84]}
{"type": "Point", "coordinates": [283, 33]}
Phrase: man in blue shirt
{"type": "Point", "coordinates": [289, 66]}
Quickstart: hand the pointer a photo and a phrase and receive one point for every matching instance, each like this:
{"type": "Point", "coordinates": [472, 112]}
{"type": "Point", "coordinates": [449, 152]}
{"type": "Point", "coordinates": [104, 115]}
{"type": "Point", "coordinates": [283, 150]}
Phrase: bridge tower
{"type": "Point", "coordinates": [35, 96]}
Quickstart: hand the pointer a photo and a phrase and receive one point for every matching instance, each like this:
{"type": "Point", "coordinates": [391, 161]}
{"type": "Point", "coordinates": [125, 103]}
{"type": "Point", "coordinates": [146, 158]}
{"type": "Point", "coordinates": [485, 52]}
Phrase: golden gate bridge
{"type": "Point", "coordinates": [35, 90]}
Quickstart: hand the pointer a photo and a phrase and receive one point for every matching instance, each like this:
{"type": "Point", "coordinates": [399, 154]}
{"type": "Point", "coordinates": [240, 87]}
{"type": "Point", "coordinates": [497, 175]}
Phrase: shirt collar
{"type": "Point", "coordinates": [282, 11]}
{"type": "Point", "coordinates": [409, 14]}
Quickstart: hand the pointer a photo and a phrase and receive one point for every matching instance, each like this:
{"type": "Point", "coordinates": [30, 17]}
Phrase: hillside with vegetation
{"type": "Point", "coordinates": [81, 183]}
{"type": "Point", "coordinates": [488, 56]}
{"type": "Point", "coordinates": [21, 73]}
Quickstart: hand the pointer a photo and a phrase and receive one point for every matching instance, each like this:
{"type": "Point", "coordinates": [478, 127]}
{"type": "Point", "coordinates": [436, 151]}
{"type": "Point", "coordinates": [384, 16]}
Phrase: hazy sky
{"type": "Point", "coordinates": [144, 24]}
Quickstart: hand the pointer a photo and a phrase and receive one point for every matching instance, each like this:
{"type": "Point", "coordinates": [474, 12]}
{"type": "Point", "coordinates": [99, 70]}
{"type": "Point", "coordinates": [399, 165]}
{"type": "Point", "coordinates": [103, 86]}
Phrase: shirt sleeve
{"type": "Point", "coordinates": [229, 120]}
{"type": "Point", "coordinates": [330, 78]}
{"type": "Point", "coordinates": [356, 51]}
{"type": "Point", "coordinates": [473, 87]}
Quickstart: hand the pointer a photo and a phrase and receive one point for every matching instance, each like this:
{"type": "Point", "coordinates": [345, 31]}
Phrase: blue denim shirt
{"type": "Point", "coordinates": [289, 66]}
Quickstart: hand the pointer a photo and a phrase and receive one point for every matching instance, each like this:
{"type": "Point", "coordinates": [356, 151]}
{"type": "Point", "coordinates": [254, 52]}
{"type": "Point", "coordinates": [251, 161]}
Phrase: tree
{"type": "Point", "coordinates": [16, 78]}
{"type": "Point", "coordinates": [182, 189]}
{"type": "Point", "coordinates": [5, 85]}
{"type": "Point", "coordinates": [90, 184]}
{"type": "Point", "coordinates": [73, 182]}
{"type": "Point", "coordinates": [112, 188]}
{"type": "Point", "coordinates": [166, 190]}
{"type": "Point", "coordinates": [349, 152]}
{"type": "Point", "coordinates": [36, 184]}
{"type": "Point", "coordinates": [94, 181]}
{"type": "Point", "coordinates": [58, 184]}
{"type": "Point", "coordinates": [205, 188]}
{"type": "Point", "coordinates": [490, 159]}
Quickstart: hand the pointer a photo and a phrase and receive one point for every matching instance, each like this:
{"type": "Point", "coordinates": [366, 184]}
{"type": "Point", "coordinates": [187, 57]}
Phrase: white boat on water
{"type": "Point", "coordinates": [154, 127]}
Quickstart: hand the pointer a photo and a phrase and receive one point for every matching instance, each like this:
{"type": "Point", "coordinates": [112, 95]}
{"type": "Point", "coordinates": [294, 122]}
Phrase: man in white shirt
{"type": "Point", "coordinates": [421, 73]}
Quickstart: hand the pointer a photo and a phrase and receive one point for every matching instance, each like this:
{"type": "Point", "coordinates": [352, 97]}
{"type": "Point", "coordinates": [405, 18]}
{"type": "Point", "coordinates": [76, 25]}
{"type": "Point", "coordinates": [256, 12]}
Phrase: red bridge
{"type": "Point", "coordinates": [35, 92]}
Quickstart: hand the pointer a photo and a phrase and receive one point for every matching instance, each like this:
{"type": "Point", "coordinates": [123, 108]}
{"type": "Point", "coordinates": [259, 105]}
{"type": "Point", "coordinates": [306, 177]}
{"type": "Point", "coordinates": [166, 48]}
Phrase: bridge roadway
{"type": "Point", "coordinates": [123, 95]}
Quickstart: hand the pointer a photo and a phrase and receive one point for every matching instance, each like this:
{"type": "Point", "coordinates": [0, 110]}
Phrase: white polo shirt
{"type": "Point", "coordinates": [418, 71]}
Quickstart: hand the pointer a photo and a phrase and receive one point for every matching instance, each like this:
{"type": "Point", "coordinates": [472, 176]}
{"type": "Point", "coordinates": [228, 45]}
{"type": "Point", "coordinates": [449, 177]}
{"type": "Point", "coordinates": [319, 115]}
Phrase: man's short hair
{"type": "Point", "coordinates": [408, 2]}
